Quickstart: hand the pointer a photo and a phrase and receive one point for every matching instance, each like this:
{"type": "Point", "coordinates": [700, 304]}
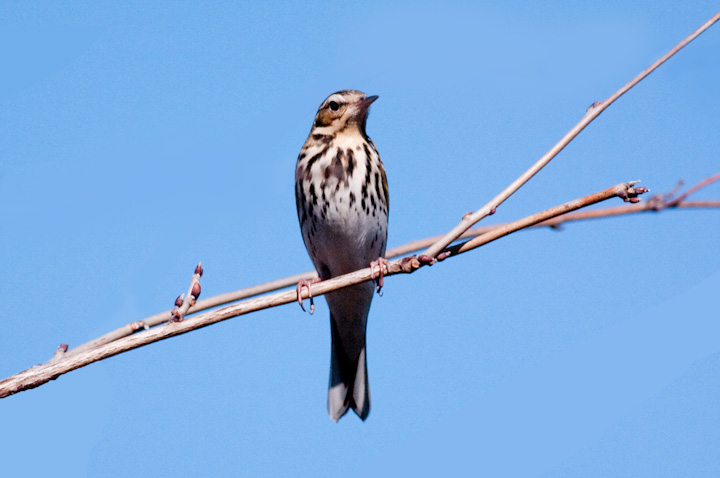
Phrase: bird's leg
{"type": "Point", "coordinates": [304, 283]}
{"type": "Point", "coordinates": [383, 266]}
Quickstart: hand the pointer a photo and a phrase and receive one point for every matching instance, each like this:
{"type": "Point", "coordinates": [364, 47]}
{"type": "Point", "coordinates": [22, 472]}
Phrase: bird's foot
{"type": "Point", "coordinates": [304, 283]}
{"type": "Point", "coordinates": [383, 267]}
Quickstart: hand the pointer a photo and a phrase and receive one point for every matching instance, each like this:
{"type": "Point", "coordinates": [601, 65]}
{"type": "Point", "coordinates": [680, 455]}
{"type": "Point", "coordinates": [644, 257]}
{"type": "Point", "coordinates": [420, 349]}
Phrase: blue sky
{"type": "Point", "coordinates": [137, 139]}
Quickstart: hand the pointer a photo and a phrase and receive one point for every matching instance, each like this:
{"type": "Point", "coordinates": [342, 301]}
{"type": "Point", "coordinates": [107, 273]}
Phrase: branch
{"type": "Point", "coordinates": [693, 190]}
{"type": "Point", "coordinates": [652, 205]}
{"type": "Point", "coordinates": [40, 374]}
{"type": "Point", "coordinates": [655, 203]}
{"type": "Point", "coordinates": [122, 340]}
{"type": "Point", "coordinates": [592, 112]}
{"type": "Point", "coordinates": [624, 191]}
{"type": "Point", "coordinates": [183, 306]}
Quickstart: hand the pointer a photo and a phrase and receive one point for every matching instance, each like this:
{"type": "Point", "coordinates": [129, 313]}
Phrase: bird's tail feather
{"type": "Point", "coordinates": [348, 380]}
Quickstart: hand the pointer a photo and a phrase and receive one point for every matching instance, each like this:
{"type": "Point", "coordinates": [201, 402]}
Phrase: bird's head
{"type": "Point", "coordinates": [343, 110]}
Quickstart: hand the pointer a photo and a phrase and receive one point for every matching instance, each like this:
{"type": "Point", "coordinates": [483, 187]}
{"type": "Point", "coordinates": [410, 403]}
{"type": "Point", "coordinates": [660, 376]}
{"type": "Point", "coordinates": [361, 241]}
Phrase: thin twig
{"type": "Point", "coordinates": [185, 301]}
{"type": "Point", "coordinates": [183, 306]}
{"type": "Point", "coordinates": [694, 189]}
{"type": "Point", "coordinates": [592, 113]}
{"type": "Point", "coordinates": [622, 190]}
{"type": "Point", "coordinates": [43, 373]}
{"type": "Point", "coordinates": [698, 204]}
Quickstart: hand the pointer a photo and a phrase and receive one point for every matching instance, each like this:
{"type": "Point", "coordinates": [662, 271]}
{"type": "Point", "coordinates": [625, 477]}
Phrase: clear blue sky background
{"type": "Point", "coordinates": [139, 138]}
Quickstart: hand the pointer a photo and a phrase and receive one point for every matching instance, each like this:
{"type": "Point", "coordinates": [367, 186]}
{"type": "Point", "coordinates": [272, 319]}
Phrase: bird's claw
{"type": "Point", "coordinates": [383, 267]}
{"type": "Point", "coordinates": [303, 283]}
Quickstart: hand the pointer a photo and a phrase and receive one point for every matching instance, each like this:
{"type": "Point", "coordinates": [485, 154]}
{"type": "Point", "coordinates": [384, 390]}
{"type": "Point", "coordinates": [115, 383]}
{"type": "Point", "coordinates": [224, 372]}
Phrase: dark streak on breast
{"type": "Point", "coordinates": [351, 163]}
{"type": "Point", "coordinates": [323, 138]}
{"type": "Point", "coordinates": [313, 201]}
{"type": "Point", "coordinates": [300, 202]}
{"type": "Point", "coordinates": [377, 186]}
{"type": "Point", "coordinates": [312, 160]}
{"type": "Point", "coordinates": [336, 168]}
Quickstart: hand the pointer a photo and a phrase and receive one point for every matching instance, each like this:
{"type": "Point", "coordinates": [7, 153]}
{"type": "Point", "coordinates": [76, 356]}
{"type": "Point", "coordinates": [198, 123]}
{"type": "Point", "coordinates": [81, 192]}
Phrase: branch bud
{"type": "Point", "coordinates": [425, 259]}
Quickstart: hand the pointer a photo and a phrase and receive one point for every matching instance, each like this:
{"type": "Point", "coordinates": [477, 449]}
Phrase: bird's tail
{"type": "Point", "coordinates": [348, 379]}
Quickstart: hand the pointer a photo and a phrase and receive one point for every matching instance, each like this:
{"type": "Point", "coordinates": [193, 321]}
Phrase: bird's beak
{"type": "Point", "coordinates": [360, 112]}
{"type": "Point", "coordinates": [364, 104]}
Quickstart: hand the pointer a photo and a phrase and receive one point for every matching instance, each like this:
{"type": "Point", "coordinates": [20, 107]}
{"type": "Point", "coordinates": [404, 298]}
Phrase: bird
{"type": "Point", "coordinates": [342, 200]}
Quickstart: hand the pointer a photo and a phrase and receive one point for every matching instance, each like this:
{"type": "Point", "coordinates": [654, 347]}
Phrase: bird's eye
{"type": "Point", "coordinates": [334, 106]}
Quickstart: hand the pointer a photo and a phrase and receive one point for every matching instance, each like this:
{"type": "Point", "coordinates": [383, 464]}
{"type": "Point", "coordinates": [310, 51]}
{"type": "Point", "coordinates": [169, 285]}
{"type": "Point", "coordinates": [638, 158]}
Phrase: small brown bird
{"type": "Point", "coordinates": [342, 204]}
